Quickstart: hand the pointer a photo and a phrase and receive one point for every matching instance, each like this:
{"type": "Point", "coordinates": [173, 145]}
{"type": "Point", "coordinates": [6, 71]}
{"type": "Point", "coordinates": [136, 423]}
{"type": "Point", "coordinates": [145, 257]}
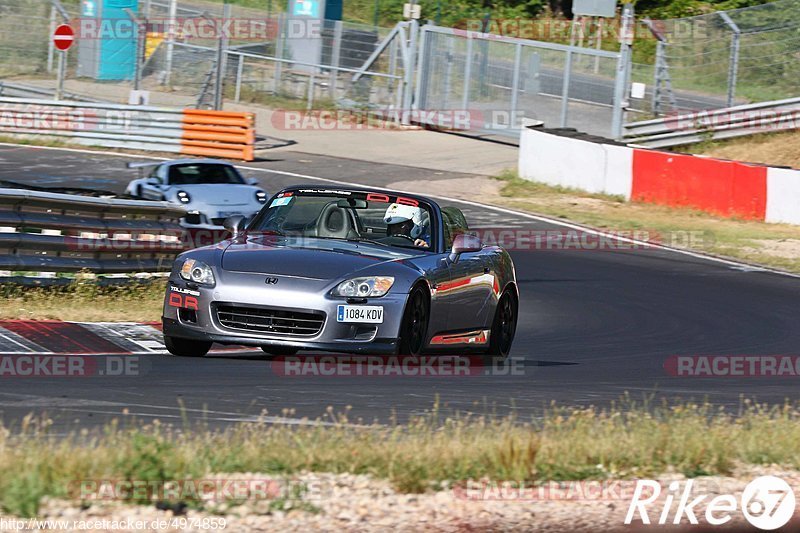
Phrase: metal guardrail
{"type": "Point", "coordinates": [52, 232]}
{"type": "Point", "coordinates": [729, 122]}
{"type": "Point", "coordinates": [19, 90]}
{"type": "Point", "coordinates": [162, 129]}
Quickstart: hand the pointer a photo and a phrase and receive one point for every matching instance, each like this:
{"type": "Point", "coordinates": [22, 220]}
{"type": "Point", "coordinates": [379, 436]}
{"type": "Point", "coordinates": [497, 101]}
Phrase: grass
{"type": "Point", "coordinates": [627, 440]}
{"type": "Point", "coordinates": [83, 300]}
{"type": "Point", "coordinates": [771, 245]}
{"type": "Point", "coordinates": [777, 149]}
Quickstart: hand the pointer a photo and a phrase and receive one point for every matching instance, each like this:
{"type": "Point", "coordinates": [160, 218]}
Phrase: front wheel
{"type": "Point", "coordinates": [414, 327]}
{"type": "Point", "coordinates": [186, 347]}
{"type": "Point", "coordinates": [504, 327]}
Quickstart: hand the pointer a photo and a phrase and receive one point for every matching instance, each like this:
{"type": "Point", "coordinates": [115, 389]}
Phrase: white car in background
{"type": "Point", "coordinates": [210, 189]}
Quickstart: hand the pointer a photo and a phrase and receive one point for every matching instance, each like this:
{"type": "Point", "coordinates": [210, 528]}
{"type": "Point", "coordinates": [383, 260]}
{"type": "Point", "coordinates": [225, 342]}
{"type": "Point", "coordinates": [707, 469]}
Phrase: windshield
{"type": "Point", "coordinates": [386, 220]}
{"type": "Point", "coordinates": [203, 173]}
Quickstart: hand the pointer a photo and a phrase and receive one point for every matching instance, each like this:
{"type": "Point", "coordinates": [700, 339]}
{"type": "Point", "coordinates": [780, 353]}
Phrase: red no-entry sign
{"type": "Point", "coordinates": [63, 37]}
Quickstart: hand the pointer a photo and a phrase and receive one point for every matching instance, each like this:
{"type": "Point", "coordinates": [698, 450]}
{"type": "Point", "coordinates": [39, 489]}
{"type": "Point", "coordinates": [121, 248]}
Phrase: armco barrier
{"type": "Point", "coordinates": [51, 232]}
{"type": "Point", "coordinates": [224, 134]}
{"type": "Point", "coordinates": [723, 188]}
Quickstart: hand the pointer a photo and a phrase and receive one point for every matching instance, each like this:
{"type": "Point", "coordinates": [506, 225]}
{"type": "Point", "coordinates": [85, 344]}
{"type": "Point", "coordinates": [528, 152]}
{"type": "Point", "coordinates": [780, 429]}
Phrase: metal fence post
{"type": "Point", "coordinates": [222, 60]}
{"type": "Point", "coordinates": [62, 73]}
{"type": "Point", "coordinates": [335, 56]}
{"type": "Point", "coordinates": [421, 64]}
{"type": "Point", "coordinates": [656, 102]}
{"type": "Point", "coordinates": [467, 73]}
{"type": "Point", "coordinates": [239, 71]}
{"type": "Point", "coordinates": [623, 67]}
{"type": "Point", "coordinates": [276, 79]}
{"type": "Point", "coordinates": [139, 53]}
{"type": "Point", "coordinates": [310, 96]}
{"type": "Point", "coordinates": [515, 84]}
{"type": "Point", "coordinates": [408, 88]}
{"type": "Point", "coordinates": [448, 73]}
{"type": "Point", "coordinates": [733, 64]}
{"type": "Point", "coordinates": [567, 75]}
{"type": "Point", "coordinates": [50, 46]}
{"type": "Point", "coordinates": [173, 11]}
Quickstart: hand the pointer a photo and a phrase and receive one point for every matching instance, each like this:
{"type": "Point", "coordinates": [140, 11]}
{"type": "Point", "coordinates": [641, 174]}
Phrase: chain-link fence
{"type": "Point", "coordinates": [267, 56]}
{"type": "Point", "coordinates": [498, 82]}
{"type": "Point", "coordinates": [724, 58]}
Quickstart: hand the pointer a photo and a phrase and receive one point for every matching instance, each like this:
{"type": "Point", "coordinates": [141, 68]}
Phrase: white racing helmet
{"type": "Point", "coordinates": [399, 213]}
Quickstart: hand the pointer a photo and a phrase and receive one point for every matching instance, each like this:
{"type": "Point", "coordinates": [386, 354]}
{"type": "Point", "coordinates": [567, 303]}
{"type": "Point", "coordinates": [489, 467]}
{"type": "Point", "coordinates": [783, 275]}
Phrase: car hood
{"type": "Point", "coordinates": [306, 257]}
{"type": "Point", "coordinates": [220, 193]}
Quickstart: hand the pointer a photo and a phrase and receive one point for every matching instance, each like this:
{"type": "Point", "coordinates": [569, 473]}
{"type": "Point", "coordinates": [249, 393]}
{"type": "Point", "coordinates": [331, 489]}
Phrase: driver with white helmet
{"type": "Point", "coordinates": [408, 222]}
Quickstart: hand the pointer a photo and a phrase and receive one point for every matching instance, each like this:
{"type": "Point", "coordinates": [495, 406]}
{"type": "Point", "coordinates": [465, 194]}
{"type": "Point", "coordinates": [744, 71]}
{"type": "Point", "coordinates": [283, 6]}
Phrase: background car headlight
{"type": "Point", "coordinates": [184, 197]}
{"type": "Point", "coordinates": [197, 271]}
{"type": "Point", "coordinates": [261, 197]}
{"type": "Point", "coordinates": [364, 287]}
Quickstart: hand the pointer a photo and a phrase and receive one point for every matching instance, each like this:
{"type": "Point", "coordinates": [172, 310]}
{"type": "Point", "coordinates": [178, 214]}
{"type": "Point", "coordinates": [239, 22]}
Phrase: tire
{"type": "Point", "coordinates": [414, 327]}
{"type": "Point", "coordinates": [504, 327]}
{"type": "Point", "coordinates": [279, 350]}
{"type": "Point", "coordinates": [186, 347]}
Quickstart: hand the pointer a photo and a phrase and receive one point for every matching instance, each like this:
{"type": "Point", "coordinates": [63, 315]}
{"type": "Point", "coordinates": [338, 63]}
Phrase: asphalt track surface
{"type": "Point", "coordinates": [592, 326]}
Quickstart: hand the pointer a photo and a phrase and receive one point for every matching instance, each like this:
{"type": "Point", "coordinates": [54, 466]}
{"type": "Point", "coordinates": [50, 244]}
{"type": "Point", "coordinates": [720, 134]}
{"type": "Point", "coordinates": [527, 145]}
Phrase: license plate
{"type": "Point", "coordinates": [364, 314]}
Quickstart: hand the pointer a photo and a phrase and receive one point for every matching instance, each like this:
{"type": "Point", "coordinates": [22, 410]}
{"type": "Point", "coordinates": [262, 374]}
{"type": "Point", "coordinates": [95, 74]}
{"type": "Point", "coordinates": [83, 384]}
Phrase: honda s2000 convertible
{"type": "Point", "coordinates": [344, 270]}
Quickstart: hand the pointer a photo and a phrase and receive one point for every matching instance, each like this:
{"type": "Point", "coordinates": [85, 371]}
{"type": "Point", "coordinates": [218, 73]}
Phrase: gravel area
{"type": "Point", "coordinates": [337, 502]}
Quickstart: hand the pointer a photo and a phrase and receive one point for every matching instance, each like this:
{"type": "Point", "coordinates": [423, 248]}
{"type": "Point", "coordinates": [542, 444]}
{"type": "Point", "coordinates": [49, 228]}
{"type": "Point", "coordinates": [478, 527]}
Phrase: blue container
{"type": "Point", "coordinates": [107, 43]}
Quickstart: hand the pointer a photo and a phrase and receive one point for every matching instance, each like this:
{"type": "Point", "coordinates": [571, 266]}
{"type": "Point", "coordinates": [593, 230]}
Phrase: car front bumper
{"type": "Point", "coordinates": [193, 312]}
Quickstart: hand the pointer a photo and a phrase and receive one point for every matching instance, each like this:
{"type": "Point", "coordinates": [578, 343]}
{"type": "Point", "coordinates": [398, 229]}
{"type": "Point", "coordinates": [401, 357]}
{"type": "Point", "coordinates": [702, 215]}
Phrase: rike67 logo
{"type": "Point", "coordinates": [767, 502]}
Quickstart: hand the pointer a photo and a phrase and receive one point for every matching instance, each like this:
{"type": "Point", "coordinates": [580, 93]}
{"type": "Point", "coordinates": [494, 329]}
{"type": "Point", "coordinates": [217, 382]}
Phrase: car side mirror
{"type": "Point", "coordinates": [252, 181]}
{"type": "Point", "coordinates": [464, 243]}
{"type": "Point", "coordinates": [234, 224]}
{"type": "Point", "coordinates": [153, 181]}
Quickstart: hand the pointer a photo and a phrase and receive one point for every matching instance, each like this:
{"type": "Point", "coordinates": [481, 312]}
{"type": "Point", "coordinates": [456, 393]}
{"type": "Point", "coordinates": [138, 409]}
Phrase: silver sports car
{"type": "Point", "coordinates": [211, 190]}
{"type": "Point", "coordinates": [344, 270]}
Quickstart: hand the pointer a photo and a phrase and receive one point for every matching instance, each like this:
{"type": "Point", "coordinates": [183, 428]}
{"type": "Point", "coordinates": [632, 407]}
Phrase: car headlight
{"type": "Point", "coordinates": [183, 197]}
{"type": "Point", "coordinates": [364, 287]}
{"type": "Point", "coordinates": [261, 197]}
{"type": "Point", "coordinates": [197, 271]}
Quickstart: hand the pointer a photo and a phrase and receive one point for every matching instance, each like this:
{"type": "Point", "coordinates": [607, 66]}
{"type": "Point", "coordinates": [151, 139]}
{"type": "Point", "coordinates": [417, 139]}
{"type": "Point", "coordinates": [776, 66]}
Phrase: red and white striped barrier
{"type": "Point", "coordinates": [26, 337]}
{"type": "Point", "coordinates": [724, 188]}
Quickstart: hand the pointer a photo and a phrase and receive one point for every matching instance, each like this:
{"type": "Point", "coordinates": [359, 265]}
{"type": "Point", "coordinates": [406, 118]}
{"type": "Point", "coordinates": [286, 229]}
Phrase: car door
{"type": "Point", "coordinates": [470, 292]}
{"type": "Point", "coordinates": [469, 289]}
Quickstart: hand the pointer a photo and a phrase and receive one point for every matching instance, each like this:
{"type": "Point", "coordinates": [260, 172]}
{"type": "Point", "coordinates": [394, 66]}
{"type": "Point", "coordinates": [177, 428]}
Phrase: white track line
{"type": "Point", "coordinates": [539, 218]}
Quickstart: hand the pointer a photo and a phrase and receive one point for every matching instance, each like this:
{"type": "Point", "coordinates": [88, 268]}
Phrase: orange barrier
{"type": "Point", "coordinates": [227, 134]}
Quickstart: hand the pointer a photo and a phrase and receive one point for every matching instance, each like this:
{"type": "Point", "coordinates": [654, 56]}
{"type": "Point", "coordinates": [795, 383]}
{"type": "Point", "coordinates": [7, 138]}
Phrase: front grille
{"type": "Point", "coordinates": [273, 321]}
